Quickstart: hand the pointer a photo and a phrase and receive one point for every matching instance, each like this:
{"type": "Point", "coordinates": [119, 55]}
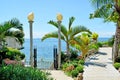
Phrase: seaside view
{"type": "Point", "coordinates": [45, 48]}
{"type": "Point", "coordinates": [60, 40]}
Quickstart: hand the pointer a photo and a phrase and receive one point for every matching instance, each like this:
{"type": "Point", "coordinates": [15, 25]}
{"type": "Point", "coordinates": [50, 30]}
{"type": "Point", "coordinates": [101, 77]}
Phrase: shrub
{"type": "Point", "coordinates": [111, 41]}
{"type": "Point", "coordinates": [17, 72]}
{"type": "Point", "coordinates": [74, 54]}
{"type": "Point", "coordinates": [69, 68]}
{"type": "Point", "coordinates": [100, 44]}
{"type": "Point", "coordinates": [117, 65]}
{"type": "Point", "coordinates": [14, 54]}
{"type": "Point", "coordinates": [64, 66]}
{"type": "Point", "coordinates": [117, 59]}
{"type": "Point", "coordinates": [81, 62]}
{"type": "Point", "coordinates": [80, 68]}
{"type": "Point", "coordinates": [11, 53]}
{"type": "Point", "coordinates": [94, 46]}
{"type": "Point", "coordinates": [74, 73]}
{"type": "Point", "coordinates": [75, 64]}
{"type": "Point", "coordinates": [63, 57]}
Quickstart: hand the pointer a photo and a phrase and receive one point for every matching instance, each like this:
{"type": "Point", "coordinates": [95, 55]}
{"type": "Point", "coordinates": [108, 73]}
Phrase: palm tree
{"type": "Point", "coordinates": [5, 29]}
{"type": "Point", "coordinates": [66, 34]}
{"type": "Point", "coordinates": [109, 10]}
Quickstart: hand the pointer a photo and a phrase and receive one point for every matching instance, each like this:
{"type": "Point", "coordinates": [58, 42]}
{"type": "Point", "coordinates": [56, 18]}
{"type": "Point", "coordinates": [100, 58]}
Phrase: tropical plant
{"type": "Point", "coordinates": [109, 10]}
{"type": "Point", "coordinates": [16, 72]}
{"type": "Point", "coordinates": [111, 41]}
{"type": "Point", "coordinates": [18, 33]}
{"type": "Point", "coordinates": [10, 53]}
{"type": "Point", "coordinates": [117, 65]}
{"type": "Point", "coordinates": [82, 43]}
{"type": "Point", "coordinates": [73, 67]}
{"type": "Point", "coordinates": [66, 34]}
{"type": "Point", "coordinates": [94, 37]}
{"type": "Point", "coordinates": [14, 54]}
{"type": "Point", "coordinates": [74, 73]}
{"type": "Point", "coordinates": [5, 30]}
{"type": "Point", "coordinates": [74, 55]}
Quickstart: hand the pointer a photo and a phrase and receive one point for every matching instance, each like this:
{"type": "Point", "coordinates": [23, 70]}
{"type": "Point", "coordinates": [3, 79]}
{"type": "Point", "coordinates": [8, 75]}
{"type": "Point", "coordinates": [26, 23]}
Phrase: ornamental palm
{"type": "Point", "coordinates": [5, 29]}
{"type": "Point", "coordinates": [66, 34]}
{"type": "Point", "coordinates": [109, 10]}
{"type": "Point", "coordinates": [82, 43]}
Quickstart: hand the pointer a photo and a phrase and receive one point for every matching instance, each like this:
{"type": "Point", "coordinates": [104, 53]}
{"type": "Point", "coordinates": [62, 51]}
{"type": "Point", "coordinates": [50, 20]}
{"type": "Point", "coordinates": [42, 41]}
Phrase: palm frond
{"type": "Point", "coordinates": [100, 3]}
{"type": "Point", "coordinates": [55, 24]}
{"type": "Point", "coordinates": [51, 35]}
{"type": "Point", "coordinates": [103, 12]}
{"type": "Point", "coordinates": [78, 29]}
{"type": "Point", "coordinates": [71, 20]}
{"type": "Point", "coordinates": [4, 27]}
{"type": "Point", "coordinates": [63, 28]}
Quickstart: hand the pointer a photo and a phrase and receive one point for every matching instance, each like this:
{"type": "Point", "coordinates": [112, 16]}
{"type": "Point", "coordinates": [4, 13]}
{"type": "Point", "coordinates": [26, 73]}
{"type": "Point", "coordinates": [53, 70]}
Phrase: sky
{"type": "Point", "coordinates": [46, 10]}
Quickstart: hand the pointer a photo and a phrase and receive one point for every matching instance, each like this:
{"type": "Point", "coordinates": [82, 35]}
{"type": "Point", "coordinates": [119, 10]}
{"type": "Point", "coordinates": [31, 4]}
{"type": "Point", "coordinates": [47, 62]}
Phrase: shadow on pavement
{"type": "Point", "coordinates": [102, 53]}
{"type": "Point", "coordinates": [95, 64]}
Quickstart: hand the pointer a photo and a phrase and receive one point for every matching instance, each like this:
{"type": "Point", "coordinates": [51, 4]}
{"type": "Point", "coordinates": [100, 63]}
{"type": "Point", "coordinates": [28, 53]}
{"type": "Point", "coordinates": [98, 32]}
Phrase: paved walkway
{"type": "Point", "coordinates": [100, 67]}
{"type": "Point", "coordinates": [59, 75]}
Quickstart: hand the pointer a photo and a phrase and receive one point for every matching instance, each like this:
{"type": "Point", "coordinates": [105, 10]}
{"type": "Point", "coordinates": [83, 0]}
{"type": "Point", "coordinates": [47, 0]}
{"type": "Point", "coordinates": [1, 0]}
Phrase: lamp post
{"type": "Point", "coordinates": [30, 20]}
{"type": "Point", "coordinates": [59, 20]}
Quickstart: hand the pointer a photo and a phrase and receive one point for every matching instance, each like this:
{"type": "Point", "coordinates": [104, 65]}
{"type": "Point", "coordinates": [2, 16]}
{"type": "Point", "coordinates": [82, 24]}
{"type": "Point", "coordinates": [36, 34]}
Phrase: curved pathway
{"type": "Point", "coordinates": [99, 67]}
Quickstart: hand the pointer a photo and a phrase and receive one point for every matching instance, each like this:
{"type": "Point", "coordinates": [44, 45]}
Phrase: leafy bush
{"type": "Point", "coordinates": [74, 73]}
{"type": "Point", "coordinates": [11, 53]}
{"type": "Point", "coordinates": [64, 57]}
{"type": "Point", "coordinates": [64, 66]}
{"type": "Point", "coordinates": [94, 46]}
{"type": "Point", "coordinates": [17, 72]}
{"type": "Point", "coordinates": [72, 68]}
{"type": "Point", "coordinates": [75, 64]}
{"type": "Point", "coordinates": [100, 44]}
{"type": "Point", "coordinates": [117, 59]}
{"type": "Point", "coordinates": [14, 54]}
{"type": "Point", "coordinates": [111, 41]}
{"type": "Point", "coordinates": [69, 68]}
{"type": "Point", "coordinates": [117, 65]}
{"type": "Point", "coordinates": [74, 54]}
{"type": "Point", "coordinates": [80, 68]}
{"type": "Point", "coordinates": [81, 62]}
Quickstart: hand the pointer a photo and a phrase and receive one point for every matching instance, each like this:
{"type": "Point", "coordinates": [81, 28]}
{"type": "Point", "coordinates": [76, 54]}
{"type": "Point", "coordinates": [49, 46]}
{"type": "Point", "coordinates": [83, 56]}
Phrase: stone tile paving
{"type": "Point", "coordinates": [100, 66]}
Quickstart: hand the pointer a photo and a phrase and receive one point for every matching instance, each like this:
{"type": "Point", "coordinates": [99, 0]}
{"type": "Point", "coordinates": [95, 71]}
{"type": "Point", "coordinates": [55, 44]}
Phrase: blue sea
{"type": "Point", "coordinates": [45, 48]}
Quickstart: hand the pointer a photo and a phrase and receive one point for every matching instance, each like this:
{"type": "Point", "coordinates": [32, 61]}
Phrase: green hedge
{"type": "Point", "coordinates": [14, 54]}
{"type": "Point", "coordinates": [17, 72]}
{"type": "Point", "coordinates": [117, 65]}
{"type": "Point", "coordinates": [73, 68]}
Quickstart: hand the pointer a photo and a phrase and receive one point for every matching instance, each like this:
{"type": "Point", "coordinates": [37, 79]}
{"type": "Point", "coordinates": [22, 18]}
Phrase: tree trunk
{"type": "Point", "coordinates": [115, 50]}
{"type": "Point", "coordinates": [68, 50]}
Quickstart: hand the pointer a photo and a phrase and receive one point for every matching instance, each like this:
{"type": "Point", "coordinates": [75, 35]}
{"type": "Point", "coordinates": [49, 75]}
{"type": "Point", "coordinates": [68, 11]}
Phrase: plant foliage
{"type": "Point", "coordinates": [17, 72]}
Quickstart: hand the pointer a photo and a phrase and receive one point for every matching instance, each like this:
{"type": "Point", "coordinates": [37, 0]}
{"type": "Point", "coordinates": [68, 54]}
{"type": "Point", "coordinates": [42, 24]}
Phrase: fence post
{"type": "Point", "coordinates": [55, 58]}
{"type": "Point", "coordinates": [35, 57]}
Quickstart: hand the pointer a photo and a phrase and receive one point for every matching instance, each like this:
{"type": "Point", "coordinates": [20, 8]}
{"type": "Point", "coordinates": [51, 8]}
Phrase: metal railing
{"type": "Point", "coordinates": [42, 63]}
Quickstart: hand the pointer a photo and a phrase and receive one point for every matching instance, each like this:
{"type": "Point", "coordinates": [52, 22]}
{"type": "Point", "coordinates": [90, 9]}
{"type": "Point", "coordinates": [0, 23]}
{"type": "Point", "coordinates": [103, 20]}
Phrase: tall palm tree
{"type": "Point", "coordinates": [66, 34]}
{"type": "Point", "coordinates": [109, 10]}
{"type": "Point", "coordinates": [5, 29]}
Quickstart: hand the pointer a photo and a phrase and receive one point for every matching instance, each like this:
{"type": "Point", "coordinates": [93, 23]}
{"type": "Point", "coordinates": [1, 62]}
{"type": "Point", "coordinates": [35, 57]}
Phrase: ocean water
{"type": "Point", "coordinates": [45, 48]}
